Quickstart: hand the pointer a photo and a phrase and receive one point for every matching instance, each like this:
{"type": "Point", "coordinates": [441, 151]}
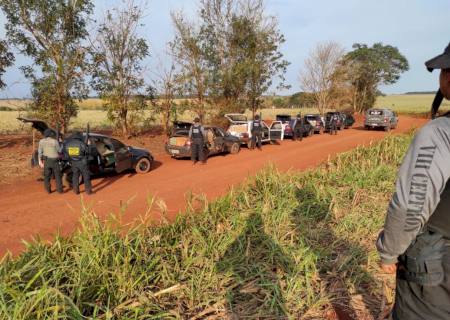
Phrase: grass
{"type": "Point", "coordinates": [410, 104]}
{"type": "Point", "coordinates": [283, 245]}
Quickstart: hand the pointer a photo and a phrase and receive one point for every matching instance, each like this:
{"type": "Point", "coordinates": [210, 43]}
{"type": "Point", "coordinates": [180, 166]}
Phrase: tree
{"type": "Point", "coordinates": [51, 32]}
{"type": "Point", "coordinates": [369, 67]}
{"type": "Point", "coordinates": [117, 71]}
{"type": "Point", "coordinates": [318, 76]}
{"type": "Point", "coordinates": [6, 60]}
{"type": "Point", "coordinates": [167, 86]}
{"type": "Point", "coordinates": [187, 52]}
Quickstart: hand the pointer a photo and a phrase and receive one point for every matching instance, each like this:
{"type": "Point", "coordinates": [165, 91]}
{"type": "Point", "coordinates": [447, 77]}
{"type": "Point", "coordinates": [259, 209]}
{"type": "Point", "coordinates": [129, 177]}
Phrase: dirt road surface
{"type": "Point", "coordinates": [26, 210]}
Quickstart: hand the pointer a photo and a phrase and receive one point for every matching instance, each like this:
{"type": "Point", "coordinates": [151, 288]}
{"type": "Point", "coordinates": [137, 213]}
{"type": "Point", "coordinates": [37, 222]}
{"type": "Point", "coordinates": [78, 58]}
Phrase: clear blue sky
{"type": "Point", "coordinates": [419, 28]}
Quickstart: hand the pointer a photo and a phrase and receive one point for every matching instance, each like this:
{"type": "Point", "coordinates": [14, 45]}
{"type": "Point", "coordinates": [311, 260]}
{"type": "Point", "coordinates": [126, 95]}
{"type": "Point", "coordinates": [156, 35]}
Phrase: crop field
{"type": "Point", "coordinates": [283, 245]}
{"type": "Point", "coordinates": [91, 111]}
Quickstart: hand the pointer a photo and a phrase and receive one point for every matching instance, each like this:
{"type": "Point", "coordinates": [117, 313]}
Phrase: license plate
{"type": "Point", "coordinates": [175, 151]}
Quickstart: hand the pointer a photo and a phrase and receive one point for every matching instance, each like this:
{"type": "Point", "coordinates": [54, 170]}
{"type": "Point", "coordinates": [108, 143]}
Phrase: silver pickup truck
{"type": "Point", "coordinates": [381, 118]}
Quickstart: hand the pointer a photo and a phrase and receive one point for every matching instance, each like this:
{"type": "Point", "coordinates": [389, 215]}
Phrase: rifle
{"type": "Point", "coordinates": [436, 103]}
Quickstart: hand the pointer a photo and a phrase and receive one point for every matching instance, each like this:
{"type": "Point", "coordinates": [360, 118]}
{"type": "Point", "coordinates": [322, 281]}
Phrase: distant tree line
{"type": "Point", "coordinates": [224, 60]}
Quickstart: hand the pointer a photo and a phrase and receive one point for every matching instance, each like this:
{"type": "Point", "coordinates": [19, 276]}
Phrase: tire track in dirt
{"type": "Point", "coordinates": [26, 210]}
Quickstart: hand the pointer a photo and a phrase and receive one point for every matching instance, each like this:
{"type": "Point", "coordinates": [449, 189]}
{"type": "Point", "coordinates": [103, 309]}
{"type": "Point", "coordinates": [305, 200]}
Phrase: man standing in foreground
{"type": "Point", "coordinates": [415, 242]}
{"type": "Point", "coordinates": [48, 155]}
{"type": "Point", "coordinates": [77, 151]}
{"type": "Point", "coordinates": [197, 137]}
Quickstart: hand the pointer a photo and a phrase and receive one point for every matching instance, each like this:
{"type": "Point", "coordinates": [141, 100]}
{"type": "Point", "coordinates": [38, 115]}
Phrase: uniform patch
{"type": "Point", "coordinates": [195, 130]}
{"type": "Point", "coordinates": [74, 151]}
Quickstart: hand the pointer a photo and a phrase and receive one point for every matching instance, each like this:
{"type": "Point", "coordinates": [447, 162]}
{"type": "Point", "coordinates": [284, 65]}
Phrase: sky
{"type": "Point", "coordinates": [419, 29]}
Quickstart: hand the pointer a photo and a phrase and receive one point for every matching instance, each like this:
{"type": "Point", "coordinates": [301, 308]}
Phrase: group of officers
{"type": "Point", "coordinates": [75, 150]}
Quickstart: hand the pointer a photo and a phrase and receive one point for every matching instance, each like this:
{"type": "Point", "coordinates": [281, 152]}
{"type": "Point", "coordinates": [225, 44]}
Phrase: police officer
{"type": "Point", "coordinates": [297, 127]}
{"type": "Point", "coordinates": [77, 151]}
{"type": "Point", "coordinates": [333, 124]}
{"type": "Point", "coordinates": [256, 131]}
{"type": "Point", "coordinates": [197, 137]}
{"type": "Point", "coordinates": [415, 241]}
{"type": "Point", "coordinates": [48, 155]}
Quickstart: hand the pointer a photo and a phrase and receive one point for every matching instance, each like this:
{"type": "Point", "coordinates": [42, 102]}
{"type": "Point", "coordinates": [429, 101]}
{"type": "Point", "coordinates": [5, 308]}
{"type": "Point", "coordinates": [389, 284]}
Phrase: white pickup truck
{"type": "Point", "coordinates": [240, 126]}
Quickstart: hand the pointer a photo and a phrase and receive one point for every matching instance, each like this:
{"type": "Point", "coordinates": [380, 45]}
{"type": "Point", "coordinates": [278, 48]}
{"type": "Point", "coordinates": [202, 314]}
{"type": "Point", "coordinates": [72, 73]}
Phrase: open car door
{"type": "Point", "coordinates": [276, 131]}
{"type": "Point", "coordinates": [122, 156]}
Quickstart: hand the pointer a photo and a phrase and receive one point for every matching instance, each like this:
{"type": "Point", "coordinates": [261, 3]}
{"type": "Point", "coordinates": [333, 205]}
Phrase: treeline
{"type": "Point", "coordinates": [225, 60]}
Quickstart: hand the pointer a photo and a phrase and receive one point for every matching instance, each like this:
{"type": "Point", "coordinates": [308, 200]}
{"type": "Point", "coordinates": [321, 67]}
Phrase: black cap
{"type": "Point", "coordinates": [256, 117]}
{"type": "Point", "coordinates": [442, 61]}
{"type": "Point", "coordinates": [197, 119]}
{"type": "Point", "coordinates": [48, 133]}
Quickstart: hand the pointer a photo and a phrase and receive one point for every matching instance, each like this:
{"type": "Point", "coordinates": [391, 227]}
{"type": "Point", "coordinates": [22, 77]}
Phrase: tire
{"type": "Point", "coordinates": [144, 165]}
{"type": "Point", "coordinates": [235, 147]}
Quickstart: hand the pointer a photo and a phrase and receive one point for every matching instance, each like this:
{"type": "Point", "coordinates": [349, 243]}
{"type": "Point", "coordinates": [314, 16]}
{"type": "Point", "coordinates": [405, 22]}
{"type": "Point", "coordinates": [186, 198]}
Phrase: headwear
{"type": "Point", "coordinates": [256, 117]}
{"type": "Point", "coordinates": [77, 135]}
{"type": "Point", "coordinates": [48, 133]}
{"type": "Point", "coordinates": [442, 61]}
{"type": "Point", "coordinates": [197, 119]}
{"type": "Point", "coordinates": [299, 115]}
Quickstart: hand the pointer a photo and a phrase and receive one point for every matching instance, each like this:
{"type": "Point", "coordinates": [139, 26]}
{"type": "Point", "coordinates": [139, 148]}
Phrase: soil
{"type": "Point", "coordinates": [27, 211]}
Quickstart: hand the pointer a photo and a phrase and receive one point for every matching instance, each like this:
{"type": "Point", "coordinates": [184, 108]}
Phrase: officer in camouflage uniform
{"type": "Point", "coordinates": [77, 151]}
{"type": "Point", "coordinates": [256, 131]}
{"type": "Point", "coordinates": [197, 137]}
{"type": "Point", "coordinates": [48, 155]}
{"type": "Point", "coordinates": [333, 124]}
{"type": "Point", "coordinates": [415, 241]}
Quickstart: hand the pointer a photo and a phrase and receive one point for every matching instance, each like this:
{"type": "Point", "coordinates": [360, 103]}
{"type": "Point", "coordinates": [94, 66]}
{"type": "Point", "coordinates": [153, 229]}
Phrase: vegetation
{"type": "Point", "coordinates": [369, 67]}
{"type": "Point", "coordinates": [6, 60]}
{"type": "Point", "coordinates": [51, 33]}
{"type": "Point", "coordinates": [283, 245]}
{"type": "Point", "coordinates": [117, 71]}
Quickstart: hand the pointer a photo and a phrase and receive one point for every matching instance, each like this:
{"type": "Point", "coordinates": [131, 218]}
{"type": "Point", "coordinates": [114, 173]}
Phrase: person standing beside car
{"type": "Point", "coordinates": [333, 124]}
{"type": "Point", "coordinates": [415, 241]}
{"type": "Point", "coordinates": [297, 128]}
{"type": "Point", "coordinates": [256, 131]}
{"type": "Point", "coordinates": [77, 151]}
{"type": "Point", "coordinates": [197, 137]}
{"type": "Point", "coordinates": [48, 156]}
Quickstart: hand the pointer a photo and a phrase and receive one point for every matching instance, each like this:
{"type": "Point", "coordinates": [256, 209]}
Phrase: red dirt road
{"type": "Point", "coordinates": [26, 210]}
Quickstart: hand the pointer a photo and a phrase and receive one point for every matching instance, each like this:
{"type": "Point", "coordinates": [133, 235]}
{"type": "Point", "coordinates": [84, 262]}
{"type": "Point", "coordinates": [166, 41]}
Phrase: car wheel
{"type": "Point", "coordinates": [235, 147]}
{"type": "Point", "coordinates": [144, 165]}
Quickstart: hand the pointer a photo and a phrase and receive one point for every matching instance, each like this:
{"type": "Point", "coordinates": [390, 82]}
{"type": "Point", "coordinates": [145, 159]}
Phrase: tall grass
{"type": "Point", "coordinates": [284, 245]}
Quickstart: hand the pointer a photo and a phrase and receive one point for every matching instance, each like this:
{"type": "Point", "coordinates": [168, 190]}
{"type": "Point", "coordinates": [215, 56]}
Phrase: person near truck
{"type": "Point", "coordinates": [333, 123]}
{"type": "Point", "coordinates": [297, 128]}
{"type": "Point", "coordinates": [256, 131]}
{"type": "Point", "coordinates": [77, 150]}
{"type": "Point", "coordinates": [415, 241]}
{"type": "Point", "coordinates": [197, 136]}
{"type": "Point", "coordinates": [48, 156]}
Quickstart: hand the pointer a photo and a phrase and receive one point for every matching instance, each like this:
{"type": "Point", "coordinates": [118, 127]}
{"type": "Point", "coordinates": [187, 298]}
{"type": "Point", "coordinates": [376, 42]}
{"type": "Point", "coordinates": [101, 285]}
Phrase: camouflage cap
{"type": "Point", "coordinates": [442, 61]}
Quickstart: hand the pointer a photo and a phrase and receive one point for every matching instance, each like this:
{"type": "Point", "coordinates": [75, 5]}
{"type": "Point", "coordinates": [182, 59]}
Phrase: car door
{"type": "Point", "coordinates": [122, 156]}
{"type": "Point", "coordinates": [218, 140]}
{"type": "Point", "coordinates": [276, 131]}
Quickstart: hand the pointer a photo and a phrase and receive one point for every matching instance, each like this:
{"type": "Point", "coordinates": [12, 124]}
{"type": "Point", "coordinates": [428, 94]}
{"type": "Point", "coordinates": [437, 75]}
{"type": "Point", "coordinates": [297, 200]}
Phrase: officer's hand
{"type": "Point", "coordinates": [41, 164]}
{"type": "Point", "coordinates": [389, 268]}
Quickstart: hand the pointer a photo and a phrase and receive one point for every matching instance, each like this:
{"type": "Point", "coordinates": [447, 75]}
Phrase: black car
{"type": "Point", "coordinates": [217, 141]}
{"type": "Point", "coordinates": [106, 154]}
{"type": "Point", "coordinates": [349, 120]}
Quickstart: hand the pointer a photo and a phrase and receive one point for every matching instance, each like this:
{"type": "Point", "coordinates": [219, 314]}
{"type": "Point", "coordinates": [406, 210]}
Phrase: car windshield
{"type": "Point", "coordinates": [375, 112]}
{"type": "Point", "coordinates": [284, 118]}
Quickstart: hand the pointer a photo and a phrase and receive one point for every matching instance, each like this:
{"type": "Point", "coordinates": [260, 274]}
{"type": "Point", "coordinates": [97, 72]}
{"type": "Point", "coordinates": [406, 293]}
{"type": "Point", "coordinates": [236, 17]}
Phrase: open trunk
{"type": "Point", "coordinates": [178, 141]}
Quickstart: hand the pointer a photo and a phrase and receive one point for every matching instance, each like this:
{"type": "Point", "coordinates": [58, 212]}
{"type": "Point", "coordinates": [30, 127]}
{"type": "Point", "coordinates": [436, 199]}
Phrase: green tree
{"type": "Point", "coordinates": [117, 68]}
{"type": "Point", "coordinates": [6, 60]}
{"type": "Point", "coordinates": [369, 67]}
{"type": "Point", "coordinates": [51, 32]}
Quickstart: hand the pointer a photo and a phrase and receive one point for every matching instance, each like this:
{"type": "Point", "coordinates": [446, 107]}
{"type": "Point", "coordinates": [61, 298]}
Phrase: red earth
{"type": "Point", "coordinates": [27, 211]}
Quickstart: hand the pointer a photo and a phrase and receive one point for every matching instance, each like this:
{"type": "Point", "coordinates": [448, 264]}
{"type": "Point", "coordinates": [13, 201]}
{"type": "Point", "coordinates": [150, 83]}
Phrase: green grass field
{"type": "Point", "coordinates": [91, 111]}
{"type": "Point", "coordinates": [282, 246]}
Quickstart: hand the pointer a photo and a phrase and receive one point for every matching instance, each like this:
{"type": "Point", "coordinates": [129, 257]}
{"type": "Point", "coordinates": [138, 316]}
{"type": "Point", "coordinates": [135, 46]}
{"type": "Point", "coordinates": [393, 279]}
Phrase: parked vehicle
{"type": "Point", "coordinates": [349, 120]}
{"type": "Point", "coordinates": [286, 120]}
{"type": "Point", "coordinates": [381, 118]}
{"type": "Point", "coordinates": [340, 121]}
{"type": "Point", "coordinates": [217, 141]}
{"type": "Point", "coordinates": [240, 127]}
{"type": "Point", "coordinates": [316, 122]}
{"type": "Point", "coordinates": [106, 154]}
